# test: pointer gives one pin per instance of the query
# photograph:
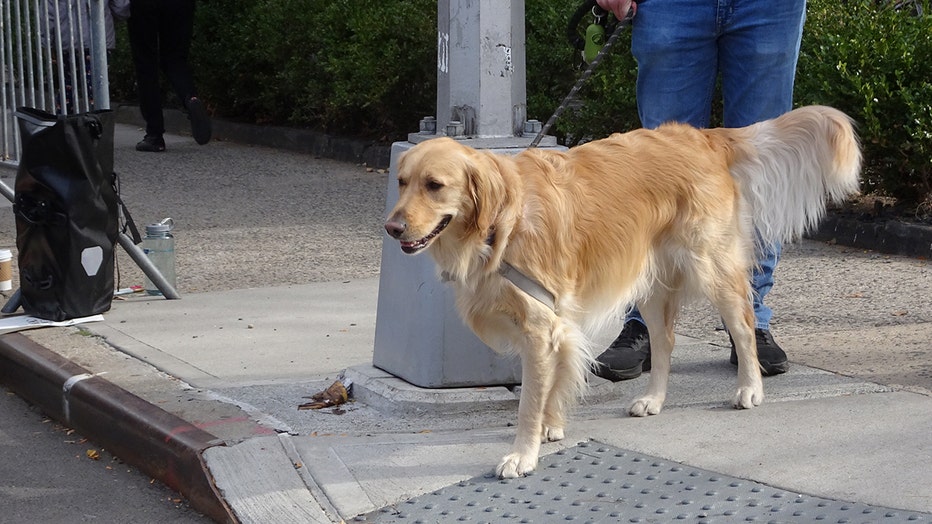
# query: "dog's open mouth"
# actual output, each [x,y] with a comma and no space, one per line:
[417,245]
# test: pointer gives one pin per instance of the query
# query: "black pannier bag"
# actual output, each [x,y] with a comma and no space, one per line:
[66,213]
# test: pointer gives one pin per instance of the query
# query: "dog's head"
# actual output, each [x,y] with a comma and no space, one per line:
[444,188]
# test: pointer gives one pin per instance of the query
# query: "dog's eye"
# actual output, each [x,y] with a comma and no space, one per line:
[402,182]
[433,185]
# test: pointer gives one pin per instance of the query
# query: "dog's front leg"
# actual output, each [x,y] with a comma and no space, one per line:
[537,368]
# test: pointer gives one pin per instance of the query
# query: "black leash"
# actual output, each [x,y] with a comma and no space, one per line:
[619,27]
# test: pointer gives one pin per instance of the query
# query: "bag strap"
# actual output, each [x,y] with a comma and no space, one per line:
[128,222]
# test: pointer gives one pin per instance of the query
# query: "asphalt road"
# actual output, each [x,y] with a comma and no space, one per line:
[50,474]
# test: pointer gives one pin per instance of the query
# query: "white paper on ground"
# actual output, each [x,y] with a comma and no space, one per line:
[21,322]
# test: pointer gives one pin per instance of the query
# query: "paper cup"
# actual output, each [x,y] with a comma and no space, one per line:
[6,270]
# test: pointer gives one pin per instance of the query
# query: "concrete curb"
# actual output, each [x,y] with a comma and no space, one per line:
[160,444]
[381,389]
[885,236]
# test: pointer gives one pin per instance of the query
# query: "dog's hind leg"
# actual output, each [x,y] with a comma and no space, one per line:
[538,363]
[734,306]
[659,312]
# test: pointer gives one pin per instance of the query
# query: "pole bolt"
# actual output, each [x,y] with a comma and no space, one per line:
[532,127]
[455,128]
[428,126]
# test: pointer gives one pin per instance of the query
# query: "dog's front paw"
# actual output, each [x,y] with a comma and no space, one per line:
[552,434]
[645,406]
[516,465]
[748,397]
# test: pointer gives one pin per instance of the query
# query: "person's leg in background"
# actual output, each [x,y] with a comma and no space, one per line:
[758,54]
[144,43]
[175,36]
[681,47]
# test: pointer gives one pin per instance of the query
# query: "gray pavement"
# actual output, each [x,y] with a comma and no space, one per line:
[278,262]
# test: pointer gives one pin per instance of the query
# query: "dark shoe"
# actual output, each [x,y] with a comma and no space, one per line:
[627,356]
[151,143]
[200,121]
[771,356]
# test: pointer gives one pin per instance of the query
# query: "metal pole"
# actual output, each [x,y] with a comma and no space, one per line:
[101,81]
[6,79]
[7,192]
[481,95]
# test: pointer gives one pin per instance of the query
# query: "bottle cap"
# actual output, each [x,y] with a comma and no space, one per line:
[162,227]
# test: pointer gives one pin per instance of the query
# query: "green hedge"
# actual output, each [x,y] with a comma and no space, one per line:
[875,63]
[368,68]
[363,67]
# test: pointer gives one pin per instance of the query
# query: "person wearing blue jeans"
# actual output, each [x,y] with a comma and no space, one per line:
[683,48]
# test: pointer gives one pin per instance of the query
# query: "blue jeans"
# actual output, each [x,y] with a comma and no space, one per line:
[683,47]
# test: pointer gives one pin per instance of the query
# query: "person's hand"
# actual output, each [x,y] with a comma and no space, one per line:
[619,7]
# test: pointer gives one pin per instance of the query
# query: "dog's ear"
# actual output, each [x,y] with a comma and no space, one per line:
[486,189]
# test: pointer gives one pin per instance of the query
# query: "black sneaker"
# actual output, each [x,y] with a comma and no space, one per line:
[200,121]
[151,143]
[627,356]
[771,356]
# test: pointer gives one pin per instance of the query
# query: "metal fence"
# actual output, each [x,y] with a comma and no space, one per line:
[53,57]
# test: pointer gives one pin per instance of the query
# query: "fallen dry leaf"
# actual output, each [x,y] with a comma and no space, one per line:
[92,454]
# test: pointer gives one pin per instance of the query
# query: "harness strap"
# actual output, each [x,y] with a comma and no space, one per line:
[523,282]
[128,224]
[528,285]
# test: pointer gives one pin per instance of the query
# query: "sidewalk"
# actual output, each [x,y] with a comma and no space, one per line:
[278,257]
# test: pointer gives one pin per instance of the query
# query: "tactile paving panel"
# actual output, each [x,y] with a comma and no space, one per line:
[593,482]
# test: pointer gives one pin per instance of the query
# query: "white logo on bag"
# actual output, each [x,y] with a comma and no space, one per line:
[92,258]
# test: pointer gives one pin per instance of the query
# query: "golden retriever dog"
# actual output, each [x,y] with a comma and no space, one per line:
[542,248]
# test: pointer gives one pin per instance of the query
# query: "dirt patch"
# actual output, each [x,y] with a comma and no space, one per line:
[872,207]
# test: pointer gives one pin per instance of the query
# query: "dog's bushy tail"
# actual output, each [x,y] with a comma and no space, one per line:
[789,167]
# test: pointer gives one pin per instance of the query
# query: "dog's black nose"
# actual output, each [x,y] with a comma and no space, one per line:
[395,228]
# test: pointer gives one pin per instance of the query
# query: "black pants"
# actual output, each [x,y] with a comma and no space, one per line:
[160,37]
